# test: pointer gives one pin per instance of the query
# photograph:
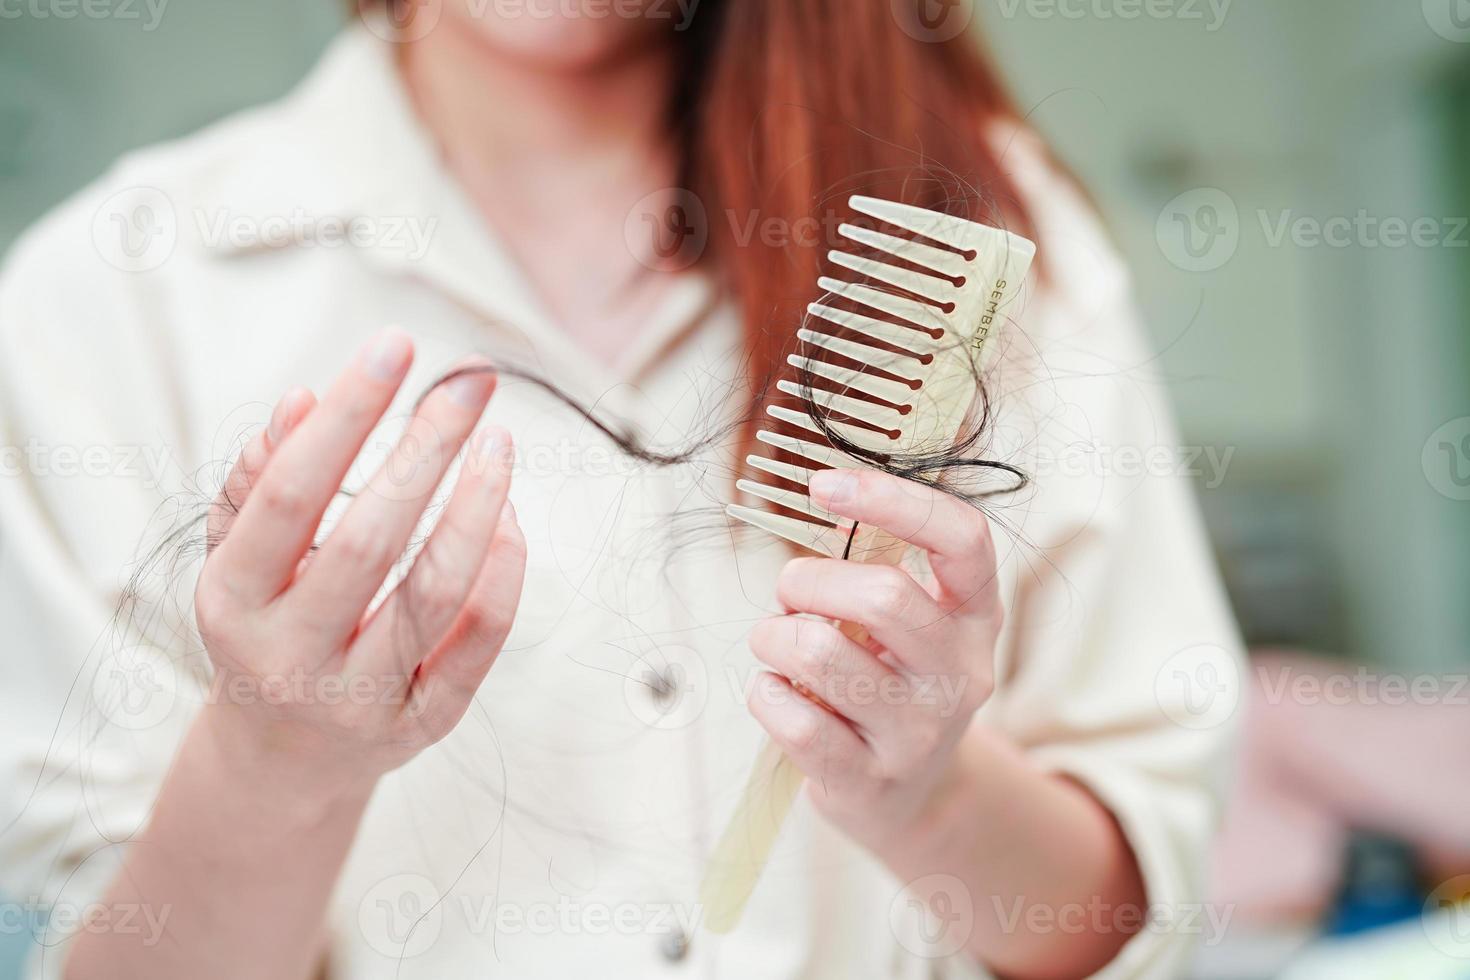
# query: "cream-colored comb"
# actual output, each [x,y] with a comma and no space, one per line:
[929,348]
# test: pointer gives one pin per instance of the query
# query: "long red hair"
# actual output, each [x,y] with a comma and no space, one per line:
[783,108]
[790,106]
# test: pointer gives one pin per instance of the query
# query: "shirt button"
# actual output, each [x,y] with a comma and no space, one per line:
[663,685]
[675,945]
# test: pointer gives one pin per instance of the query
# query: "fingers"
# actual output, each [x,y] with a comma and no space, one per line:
[288,413]
[955,534]
[279,521]
[348,570]
[885,600]
[458,666]
[822,745]
[843,675]
[434,596]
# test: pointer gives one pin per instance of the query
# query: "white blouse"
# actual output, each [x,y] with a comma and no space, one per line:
[145,328]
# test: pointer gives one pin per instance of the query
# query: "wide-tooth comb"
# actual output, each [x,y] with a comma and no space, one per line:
[929,346]
[924,323]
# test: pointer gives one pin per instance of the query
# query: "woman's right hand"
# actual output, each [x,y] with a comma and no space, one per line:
[310,681]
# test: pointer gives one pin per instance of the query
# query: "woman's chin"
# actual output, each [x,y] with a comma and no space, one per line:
[560,45]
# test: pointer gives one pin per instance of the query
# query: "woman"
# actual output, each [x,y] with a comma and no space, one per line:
[306,787]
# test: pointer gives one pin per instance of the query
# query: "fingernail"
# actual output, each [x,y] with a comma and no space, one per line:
[471,389]
[834,486]
[494,451]
[387,355]
[281,416]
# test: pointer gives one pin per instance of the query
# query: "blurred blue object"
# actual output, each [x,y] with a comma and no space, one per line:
[1380,886]
[15,945]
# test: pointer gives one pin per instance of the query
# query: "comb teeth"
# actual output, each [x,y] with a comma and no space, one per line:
[947,264]
[817,453]
[876,442]
[831,403]
[900,364]
[924,343]
[954,232]
[893,392]
[915,282]
[926,317]
[919,343]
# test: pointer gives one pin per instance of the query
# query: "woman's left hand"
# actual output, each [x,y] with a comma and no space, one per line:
[896,706]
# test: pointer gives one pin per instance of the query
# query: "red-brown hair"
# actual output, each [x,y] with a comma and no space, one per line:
[792,105]
[783,108]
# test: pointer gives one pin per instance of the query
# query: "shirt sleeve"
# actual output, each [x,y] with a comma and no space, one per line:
[99,682]
[1120,666]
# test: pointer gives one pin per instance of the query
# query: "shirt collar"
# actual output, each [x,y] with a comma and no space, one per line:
[357,155]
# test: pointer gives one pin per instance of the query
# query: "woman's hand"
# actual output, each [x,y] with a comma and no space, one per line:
[309,681]
[897,705]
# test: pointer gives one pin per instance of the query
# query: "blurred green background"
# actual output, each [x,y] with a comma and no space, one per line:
[1333,376]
